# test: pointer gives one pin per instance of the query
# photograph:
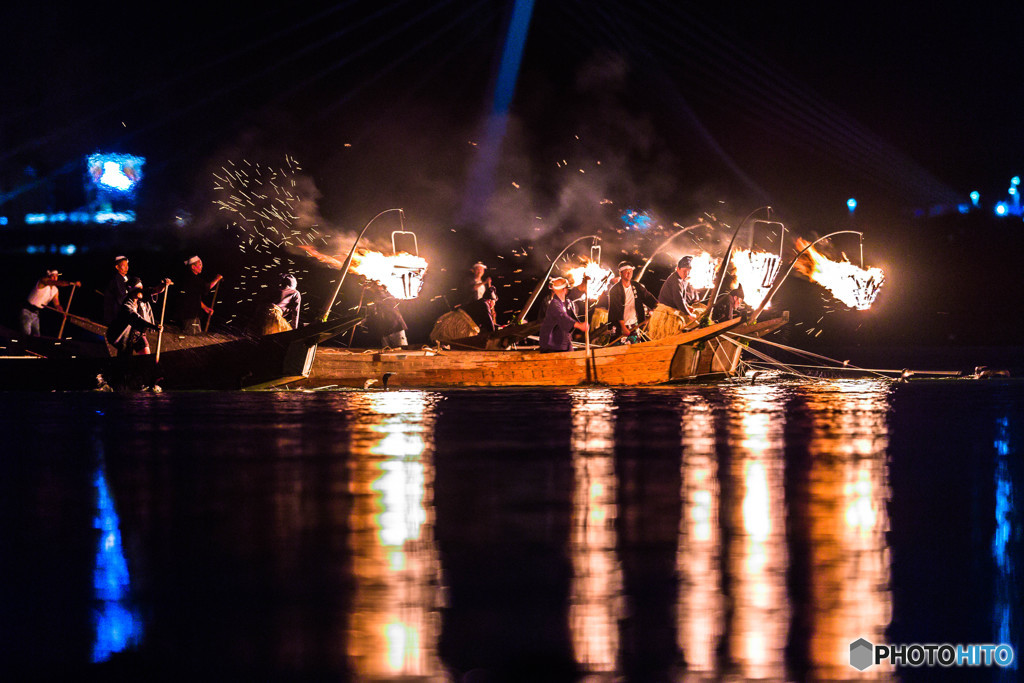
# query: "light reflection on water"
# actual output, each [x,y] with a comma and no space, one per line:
[595,600]
[716,533]
[394,628]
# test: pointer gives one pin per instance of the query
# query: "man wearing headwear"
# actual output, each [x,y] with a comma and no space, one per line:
[42,295]
[384,319]
[677,291]
[196,286]
[117,289]
[476,287]
[289,300]
[627,301]
[127,332]
[556,329]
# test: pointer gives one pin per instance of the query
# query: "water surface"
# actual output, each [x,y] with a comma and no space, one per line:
[741,532]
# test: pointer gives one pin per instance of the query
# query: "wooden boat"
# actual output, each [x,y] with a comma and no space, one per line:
[236,363]
[647,363]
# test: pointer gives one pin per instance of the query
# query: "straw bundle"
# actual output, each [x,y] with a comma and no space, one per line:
[598,317]
[453,325]
[271,321]
[666,321]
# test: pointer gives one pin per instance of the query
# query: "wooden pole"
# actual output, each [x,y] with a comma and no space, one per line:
[213,302]
[66,309]
[586,321]
[160,334]
[352,337]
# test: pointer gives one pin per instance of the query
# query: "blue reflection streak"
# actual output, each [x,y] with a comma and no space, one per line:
[1003,616]
[117,627]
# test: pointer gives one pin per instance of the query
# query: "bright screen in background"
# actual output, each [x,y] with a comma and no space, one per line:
[116,174]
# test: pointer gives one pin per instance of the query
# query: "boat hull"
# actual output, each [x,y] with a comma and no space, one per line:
[657,362]
[720,357]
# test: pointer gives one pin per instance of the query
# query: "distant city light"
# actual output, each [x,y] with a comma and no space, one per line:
[963,208]
[851,204]
[975,197]
[3,220]
[115,173]
[68,249]
[79,217]
[1012,190]
[636,220]
[1002,209]
[1015,180]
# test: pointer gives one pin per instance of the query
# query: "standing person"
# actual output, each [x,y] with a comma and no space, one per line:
[289,300]
[197,286]
[117,289]
[42,295]
[385,320]
[677,291]
[626,302]
[556,330]
[127,332]
[476,286]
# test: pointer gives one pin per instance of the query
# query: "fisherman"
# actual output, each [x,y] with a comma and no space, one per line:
[556,330]
[729,305]
[197,286]
[42,295]
[117,289]
[476,286]
[289,300]
[627,301]
[385,320]
[481,310]
[677,292]
[127,332]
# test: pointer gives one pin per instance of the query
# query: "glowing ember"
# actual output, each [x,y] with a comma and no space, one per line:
[600,277]
[755,271]
[401,273]
[855,287]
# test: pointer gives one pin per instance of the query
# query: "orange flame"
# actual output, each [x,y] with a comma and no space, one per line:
[855,287]
[401,273]
[755,271]
[600,277]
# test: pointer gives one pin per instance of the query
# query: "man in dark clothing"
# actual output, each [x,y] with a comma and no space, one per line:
[729,305]
[482,310]
[127,331]
[556,330]
[116,291]
[385,320]
[196,287]
[627,301]
[677,291]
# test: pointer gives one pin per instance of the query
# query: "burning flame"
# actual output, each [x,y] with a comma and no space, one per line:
[600,277]
[855,287]
[755,271]
[401,273]
[702,271]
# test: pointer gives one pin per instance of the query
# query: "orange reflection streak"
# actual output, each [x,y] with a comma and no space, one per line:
[757,558]
[596,590]
[395,622]
[850,584]
[701,606]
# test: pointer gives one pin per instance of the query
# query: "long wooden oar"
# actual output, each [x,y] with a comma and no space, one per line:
[212,304]
[66,309]
[160,334]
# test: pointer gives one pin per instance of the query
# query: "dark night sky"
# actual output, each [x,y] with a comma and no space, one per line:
[786,103]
